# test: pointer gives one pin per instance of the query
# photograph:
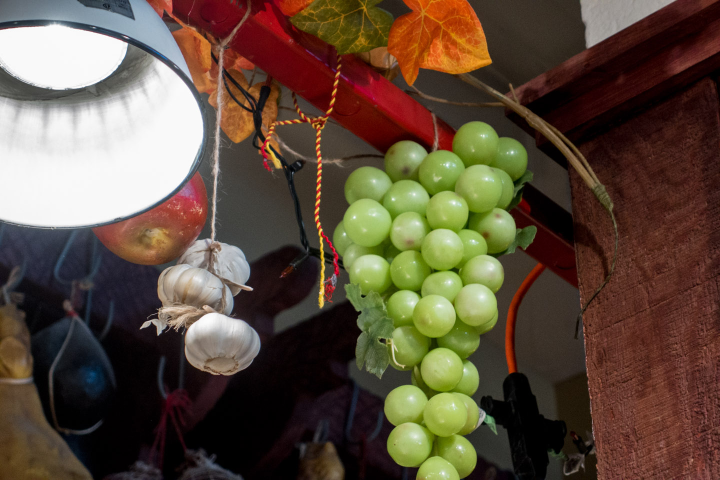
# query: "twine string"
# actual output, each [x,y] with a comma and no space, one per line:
[218,119]
[327,286]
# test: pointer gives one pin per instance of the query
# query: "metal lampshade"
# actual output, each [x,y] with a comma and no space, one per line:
[99,119]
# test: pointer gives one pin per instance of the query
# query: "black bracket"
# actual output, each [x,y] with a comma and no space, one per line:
[531,435]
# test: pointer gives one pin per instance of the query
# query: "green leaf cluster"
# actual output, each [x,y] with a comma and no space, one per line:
[376,327]
[523,238]
[526,177]
[352,26]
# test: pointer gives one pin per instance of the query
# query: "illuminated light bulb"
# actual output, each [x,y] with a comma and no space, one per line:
[59,58]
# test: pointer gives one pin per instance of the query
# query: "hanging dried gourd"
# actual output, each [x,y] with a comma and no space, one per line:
[29,447]
[320,461]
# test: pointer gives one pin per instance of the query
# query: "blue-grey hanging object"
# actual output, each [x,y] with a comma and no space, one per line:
[73,375]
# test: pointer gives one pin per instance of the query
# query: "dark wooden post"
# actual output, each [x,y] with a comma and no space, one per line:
[643,107]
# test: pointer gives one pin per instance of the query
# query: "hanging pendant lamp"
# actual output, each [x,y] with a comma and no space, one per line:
[99,118]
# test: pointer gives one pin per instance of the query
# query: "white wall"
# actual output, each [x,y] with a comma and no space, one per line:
[604,18]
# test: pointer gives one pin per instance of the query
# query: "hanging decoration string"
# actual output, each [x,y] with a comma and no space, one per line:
[218,120]
[318,123]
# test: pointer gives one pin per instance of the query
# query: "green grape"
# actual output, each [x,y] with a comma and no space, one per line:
[405,404]
[475,304]
[409,444]
[476,143]
[410,346]
[473,245]
[406,196]
[403,159]
[462,339]
[470,380]
[355,251]
[447,210]
[442,249]
[367,182]
[511,157]
[437,468]
[416,378]
[508,188]
[473,416]
[485,270]
[445,414]
[390,253]
[372,273]
[480,187]
[441,369]
[400,307]
[434,316]
[408,271]
[459,452]
[496,226]
[367,223]
[439,171]
[408,230]
[340,239]
[446,284]
[487,326]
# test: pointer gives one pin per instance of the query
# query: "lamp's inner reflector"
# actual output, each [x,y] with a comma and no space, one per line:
[59,58]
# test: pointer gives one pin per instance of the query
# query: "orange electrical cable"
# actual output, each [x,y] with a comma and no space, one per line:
[512,316]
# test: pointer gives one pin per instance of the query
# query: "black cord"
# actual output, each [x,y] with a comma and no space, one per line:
[256,108]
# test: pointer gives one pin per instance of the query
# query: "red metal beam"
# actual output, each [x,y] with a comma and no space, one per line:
[367,104]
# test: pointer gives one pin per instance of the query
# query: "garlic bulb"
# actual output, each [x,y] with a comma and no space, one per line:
[230,263]
[221,345]
[184,284]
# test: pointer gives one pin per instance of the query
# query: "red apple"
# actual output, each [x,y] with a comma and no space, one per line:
[162,234]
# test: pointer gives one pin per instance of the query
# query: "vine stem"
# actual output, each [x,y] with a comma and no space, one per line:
[393,349]
[575,158]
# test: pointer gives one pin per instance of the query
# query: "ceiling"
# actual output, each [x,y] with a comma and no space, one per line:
[525,38]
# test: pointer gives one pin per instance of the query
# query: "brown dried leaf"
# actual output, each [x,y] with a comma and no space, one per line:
[197,52]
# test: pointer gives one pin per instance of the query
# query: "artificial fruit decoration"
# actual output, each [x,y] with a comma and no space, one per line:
[162,234]
[221,345]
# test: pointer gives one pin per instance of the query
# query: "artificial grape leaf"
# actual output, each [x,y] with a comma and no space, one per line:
[161,6]
[377,329]
[352,26]
[443,35]
[237,123]
[490,422]
[196,50]
[519,187]
[523,238]
[371,349]
[293,7]
[355,297]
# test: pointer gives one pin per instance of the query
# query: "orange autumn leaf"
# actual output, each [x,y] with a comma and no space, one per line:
[237,123]
[443,35]
[293,7]
[196,50]
[161,6]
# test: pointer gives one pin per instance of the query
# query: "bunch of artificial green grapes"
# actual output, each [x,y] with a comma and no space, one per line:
[420,234]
